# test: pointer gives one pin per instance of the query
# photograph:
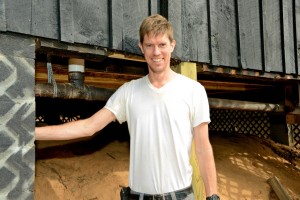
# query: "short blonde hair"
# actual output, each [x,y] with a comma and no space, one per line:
[156,24]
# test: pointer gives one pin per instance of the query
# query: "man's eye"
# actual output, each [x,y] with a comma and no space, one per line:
[148,45]
[162,45]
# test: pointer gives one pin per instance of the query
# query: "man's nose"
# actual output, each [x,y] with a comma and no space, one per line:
[156,50]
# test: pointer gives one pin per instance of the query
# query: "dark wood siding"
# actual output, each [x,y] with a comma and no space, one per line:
[45,20]
[223,34]
[272,36]
[297,33]
[242,34]
[250,34]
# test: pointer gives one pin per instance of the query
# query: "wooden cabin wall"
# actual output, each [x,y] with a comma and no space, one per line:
[242,34]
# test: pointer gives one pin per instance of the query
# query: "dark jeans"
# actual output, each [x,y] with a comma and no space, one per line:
[184,194]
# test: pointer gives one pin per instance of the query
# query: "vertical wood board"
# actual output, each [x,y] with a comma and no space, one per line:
[175,18]
[288,35]
[223,33]
[2,16]
[18,16]
[134,12]
[195,44]
[297,15]
[116,25]
[250,34]
[272,36]
[66,20]
[45,18]
[154,6]
[91,25]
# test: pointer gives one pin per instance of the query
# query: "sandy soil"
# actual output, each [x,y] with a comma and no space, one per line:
[95,169]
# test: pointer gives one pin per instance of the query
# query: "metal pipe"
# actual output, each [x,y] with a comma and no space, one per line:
[244,105]
[76,71]
[71,91]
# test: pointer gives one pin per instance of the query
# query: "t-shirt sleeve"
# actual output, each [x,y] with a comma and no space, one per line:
[201,106]
[117,104]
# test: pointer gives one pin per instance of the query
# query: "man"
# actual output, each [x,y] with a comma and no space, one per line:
[164,111]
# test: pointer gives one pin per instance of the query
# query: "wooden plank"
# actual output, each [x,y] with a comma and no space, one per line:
[154,6]
[134,12]
[223,33]
[272,35]
[45,18]
[91,25]
[297,15]
[116,25]
[174,16]
[14,45]
[18,16]
[195,44]
[288,34]
[66,21]
[70,50]
[250,37]
[2,16]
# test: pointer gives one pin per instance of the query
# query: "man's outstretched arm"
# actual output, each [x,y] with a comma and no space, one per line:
[76,129]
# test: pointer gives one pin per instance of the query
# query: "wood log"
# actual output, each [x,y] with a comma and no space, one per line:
[278,188]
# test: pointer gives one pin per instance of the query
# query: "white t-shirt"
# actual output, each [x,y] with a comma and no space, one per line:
[160,123]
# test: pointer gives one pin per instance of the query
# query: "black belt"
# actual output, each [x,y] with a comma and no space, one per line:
[180,194]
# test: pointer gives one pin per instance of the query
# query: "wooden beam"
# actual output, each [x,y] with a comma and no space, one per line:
[188,69]
[116,79]
[126,56]
[88,52]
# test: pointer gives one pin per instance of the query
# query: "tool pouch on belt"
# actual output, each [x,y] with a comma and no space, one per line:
[124,193]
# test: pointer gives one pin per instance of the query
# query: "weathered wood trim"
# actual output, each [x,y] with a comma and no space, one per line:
[66,20]
[272,36]
[116,25]
[250,37]
[52,47]
[249,73]
[174,16]
[223,33]
[195,43]
[45,19]
[2,16]
[288,37]
[297,33]
[134,12]
[154,6]
[18,16]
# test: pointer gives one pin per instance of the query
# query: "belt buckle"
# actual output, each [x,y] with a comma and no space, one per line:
[158,196]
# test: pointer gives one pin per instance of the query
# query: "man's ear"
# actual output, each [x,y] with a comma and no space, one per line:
[141,47]
[173,44]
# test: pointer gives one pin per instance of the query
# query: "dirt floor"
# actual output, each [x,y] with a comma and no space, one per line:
[95,169]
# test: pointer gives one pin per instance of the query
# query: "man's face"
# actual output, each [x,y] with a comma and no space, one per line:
[157,51]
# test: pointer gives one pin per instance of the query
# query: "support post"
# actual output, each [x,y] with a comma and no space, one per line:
[280,128]
[190,70]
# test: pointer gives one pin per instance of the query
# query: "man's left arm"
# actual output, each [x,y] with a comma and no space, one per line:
[204,153]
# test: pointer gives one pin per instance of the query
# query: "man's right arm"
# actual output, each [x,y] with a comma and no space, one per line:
[76,129]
